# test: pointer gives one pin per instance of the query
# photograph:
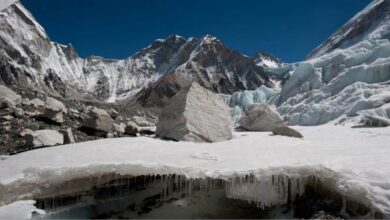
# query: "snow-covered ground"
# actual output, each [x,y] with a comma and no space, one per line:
[356,159]
[19,210]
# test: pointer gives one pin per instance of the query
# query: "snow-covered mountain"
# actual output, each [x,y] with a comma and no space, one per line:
[371,23]
[268,60]
[214,66]
[347,76]
[29,59]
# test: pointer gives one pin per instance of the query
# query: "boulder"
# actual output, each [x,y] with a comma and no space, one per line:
[119,128]
[287,131]
[44,138]
[131,128]
[99,120]
[36,102]
[113,113]
[147,130]
[260,117]
[25,132]
[54,110]
[68,136]
[11,95]
[7,117]
[195,114]
[73,113]
[18,112]
[141,121]
[6,103]
[109,135]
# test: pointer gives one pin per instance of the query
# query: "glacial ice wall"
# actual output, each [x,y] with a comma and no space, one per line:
[339,84]
[239,102]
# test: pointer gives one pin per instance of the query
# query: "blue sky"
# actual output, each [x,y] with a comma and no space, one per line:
[289,29]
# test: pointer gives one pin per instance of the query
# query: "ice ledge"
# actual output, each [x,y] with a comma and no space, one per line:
[355,161]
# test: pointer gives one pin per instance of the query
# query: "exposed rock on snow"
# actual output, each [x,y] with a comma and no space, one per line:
[119,128]
[68,136]
[195,114]
[35,102]
[260,117]
[99,120]
[241,101]
[6,103]
[10,95]
[131,128]
[141,121]
[18,112]
[54,110]
[44,138]
[286,131]
[113,113]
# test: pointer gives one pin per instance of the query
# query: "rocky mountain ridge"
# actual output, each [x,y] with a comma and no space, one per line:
[29,59]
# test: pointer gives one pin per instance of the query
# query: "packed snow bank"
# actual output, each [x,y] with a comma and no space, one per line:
[19,210]
[353,161]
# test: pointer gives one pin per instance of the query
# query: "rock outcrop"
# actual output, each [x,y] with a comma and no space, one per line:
[260,117]
[54,110]
[6,103]
[68,136]
[99,120]
[195,114]
[287,131]
[5,92]
[44,138]
[131,128]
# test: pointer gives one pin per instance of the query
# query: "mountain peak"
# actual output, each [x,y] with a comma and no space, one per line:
[266,59]
[209,39]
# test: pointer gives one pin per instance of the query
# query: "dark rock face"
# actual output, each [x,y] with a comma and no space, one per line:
[287,131]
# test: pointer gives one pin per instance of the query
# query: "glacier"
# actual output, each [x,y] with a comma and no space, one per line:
[240,102]
[337,85]
[347,75]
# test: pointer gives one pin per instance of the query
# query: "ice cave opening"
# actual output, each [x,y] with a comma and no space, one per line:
[175,196]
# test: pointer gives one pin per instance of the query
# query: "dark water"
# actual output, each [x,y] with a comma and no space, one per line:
[174,197]
[144,198]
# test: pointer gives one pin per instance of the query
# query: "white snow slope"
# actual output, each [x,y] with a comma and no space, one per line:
[355,162]
[5,3]
[20,210]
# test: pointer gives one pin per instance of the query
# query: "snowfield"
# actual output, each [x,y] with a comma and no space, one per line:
[354,160]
